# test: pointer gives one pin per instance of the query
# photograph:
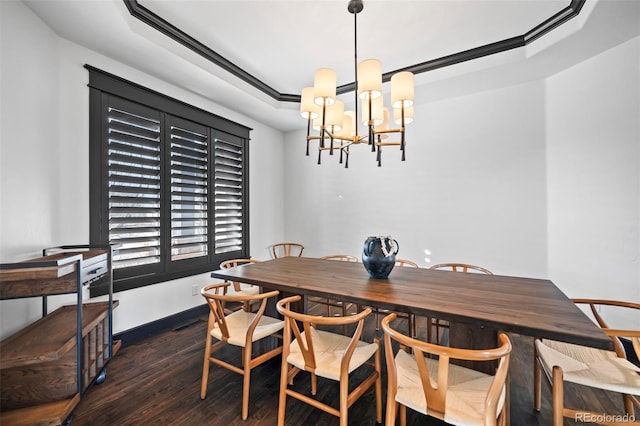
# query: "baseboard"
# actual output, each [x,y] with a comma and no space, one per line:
[171,322]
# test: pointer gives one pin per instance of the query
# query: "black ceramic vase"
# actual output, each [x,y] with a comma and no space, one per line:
[379,256]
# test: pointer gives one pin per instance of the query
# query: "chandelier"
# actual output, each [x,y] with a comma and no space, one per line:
[338,129]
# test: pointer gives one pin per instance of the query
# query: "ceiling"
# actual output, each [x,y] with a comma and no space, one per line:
[280,44]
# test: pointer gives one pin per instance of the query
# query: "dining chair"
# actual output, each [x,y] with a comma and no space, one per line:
[461,267]
[438,387]
[238,288]
[240,328]
[596,368]
[406,262]
[436,323]
[342,305]
[342,257]
[279,250]
[329,355]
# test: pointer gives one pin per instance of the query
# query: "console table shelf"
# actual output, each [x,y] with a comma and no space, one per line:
[47,366]
[48,338]
[54,413]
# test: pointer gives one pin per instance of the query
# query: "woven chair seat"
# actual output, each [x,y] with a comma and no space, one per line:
[466,393]
[328,350]
[590,366]
[246,290]
[238,324]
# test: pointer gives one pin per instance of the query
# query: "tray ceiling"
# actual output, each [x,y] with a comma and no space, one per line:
[280,44]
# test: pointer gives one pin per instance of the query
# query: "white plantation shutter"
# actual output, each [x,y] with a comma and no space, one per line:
[189,194]
[229,193]
[134,187]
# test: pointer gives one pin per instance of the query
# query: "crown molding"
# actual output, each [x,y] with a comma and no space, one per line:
[148,17]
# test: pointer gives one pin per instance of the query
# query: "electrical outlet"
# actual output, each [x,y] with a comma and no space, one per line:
[195,289]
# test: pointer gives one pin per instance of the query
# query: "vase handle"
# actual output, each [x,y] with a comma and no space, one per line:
[367,248]
[397,247]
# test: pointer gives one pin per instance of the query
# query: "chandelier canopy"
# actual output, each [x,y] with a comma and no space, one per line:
[336,128]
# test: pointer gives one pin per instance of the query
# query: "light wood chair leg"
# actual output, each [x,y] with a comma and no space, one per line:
[314,383]
[506,408]
[205,367]
[282,398]
[246,365]
[344,405]
[245,394]
[403,415]
[392,409]
[557,391]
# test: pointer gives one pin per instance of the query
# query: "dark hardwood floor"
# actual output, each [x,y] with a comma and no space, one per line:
[156,381]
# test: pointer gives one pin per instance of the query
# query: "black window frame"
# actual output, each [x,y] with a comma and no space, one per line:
[105,90]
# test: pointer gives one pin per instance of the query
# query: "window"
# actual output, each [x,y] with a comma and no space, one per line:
[168,183]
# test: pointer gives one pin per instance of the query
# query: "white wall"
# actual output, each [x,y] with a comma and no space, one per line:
[593,159]
[472,188]
[29,179]
[44,164]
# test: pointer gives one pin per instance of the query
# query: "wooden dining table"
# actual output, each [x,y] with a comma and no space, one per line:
[478,306]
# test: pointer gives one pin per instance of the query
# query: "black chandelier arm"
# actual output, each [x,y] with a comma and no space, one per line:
[308,132]
[331,146]
[402,141]
[331,135]
[322,127]
[371,137]
[371,141]
[346,146]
